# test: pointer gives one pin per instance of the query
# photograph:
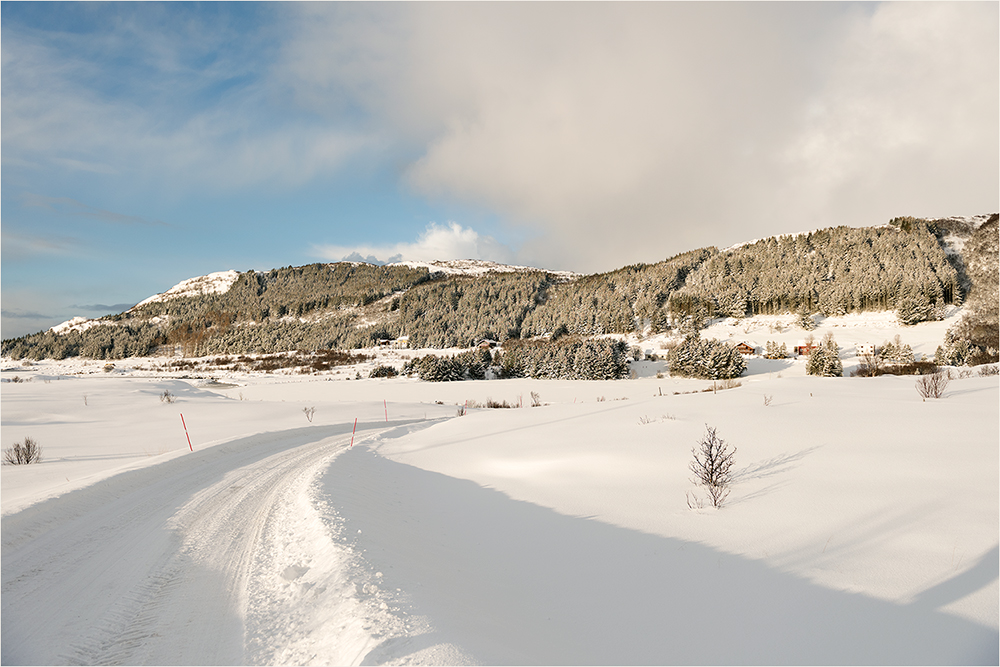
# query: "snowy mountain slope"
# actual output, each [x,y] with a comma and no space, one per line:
[479,267]
[213,283]
[956,230]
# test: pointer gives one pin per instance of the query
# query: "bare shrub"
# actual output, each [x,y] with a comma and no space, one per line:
[490,403]
[985,371]
[871,366]
[644,420]
[23,453]
[713,461]
[536,400]
[309,412]
[768,398]
[167,397]
[932,386]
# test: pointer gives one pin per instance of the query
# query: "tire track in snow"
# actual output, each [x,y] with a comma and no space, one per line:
[155,566]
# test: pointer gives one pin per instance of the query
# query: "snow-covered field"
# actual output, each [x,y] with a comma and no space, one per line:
[862,526]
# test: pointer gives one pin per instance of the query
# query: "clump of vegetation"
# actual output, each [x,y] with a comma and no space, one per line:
[774,351]
[569,358]
[382,371]
[706,359]
[23,453]
[167,397]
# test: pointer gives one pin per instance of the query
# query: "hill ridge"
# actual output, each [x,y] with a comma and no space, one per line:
[912,265]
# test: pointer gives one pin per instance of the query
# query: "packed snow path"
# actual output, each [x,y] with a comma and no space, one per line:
[154,566]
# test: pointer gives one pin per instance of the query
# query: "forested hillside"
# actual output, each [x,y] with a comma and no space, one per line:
[913,266]
[835,271]
[463,310]
[629,299]
[976,338]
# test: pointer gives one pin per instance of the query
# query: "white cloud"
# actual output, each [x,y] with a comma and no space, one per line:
[437,242]
[629,131]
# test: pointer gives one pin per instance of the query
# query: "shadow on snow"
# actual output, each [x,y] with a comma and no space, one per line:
[511,582]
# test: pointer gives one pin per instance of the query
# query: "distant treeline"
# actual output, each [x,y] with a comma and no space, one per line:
[568,358]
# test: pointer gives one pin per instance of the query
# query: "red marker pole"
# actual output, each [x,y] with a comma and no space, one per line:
[186,432]
[386,406]
[354,431]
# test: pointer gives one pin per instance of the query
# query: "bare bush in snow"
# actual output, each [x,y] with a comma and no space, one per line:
[932,386]
[23,453]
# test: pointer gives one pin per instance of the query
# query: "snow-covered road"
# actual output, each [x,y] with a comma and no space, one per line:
[166,564]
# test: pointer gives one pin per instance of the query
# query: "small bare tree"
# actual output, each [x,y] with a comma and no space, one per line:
[309,412]
[536,400]
[933,385]
[23,453]
[871,365]
[712,465]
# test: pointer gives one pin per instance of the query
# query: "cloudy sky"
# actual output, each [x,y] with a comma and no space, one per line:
[147,143]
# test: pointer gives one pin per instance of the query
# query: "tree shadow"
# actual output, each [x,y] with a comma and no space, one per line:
[982,574]
[772,466]
[511,582]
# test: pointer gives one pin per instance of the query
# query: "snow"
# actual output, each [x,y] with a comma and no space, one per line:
[214,283]
[862,526]
[76,324]
[479,267]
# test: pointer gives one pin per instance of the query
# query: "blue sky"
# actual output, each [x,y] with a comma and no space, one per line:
[146,143]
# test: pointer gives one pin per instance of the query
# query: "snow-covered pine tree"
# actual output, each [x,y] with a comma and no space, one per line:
[706,359]
[824,361]
[954,351]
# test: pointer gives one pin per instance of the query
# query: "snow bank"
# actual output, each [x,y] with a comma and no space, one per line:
[862,526]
